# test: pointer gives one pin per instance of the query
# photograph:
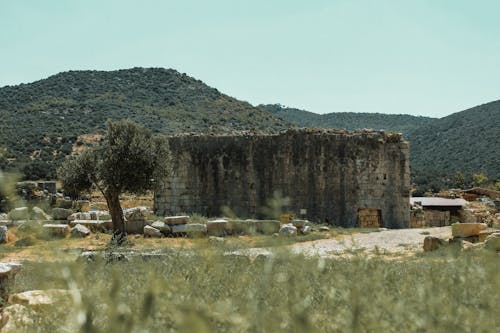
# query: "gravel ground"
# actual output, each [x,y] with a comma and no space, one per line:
[400,240]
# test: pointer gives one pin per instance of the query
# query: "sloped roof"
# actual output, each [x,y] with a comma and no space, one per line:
[436,202]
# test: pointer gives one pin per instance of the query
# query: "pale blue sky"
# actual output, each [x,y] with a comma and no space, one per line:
[422,57]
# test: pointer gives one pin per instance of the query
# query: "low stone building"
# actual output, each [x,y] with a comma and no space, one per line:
[437,212]
[340,177]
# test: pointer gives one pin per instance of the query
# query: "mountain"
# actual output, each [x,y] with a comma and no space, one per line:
[348,120]
[40,122]
[467,142]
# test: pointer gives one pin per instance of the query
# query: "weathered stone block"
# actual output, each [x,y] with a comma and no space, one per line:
[61,213]
[150,231]
[162,226]
[60,230]
[218,228]
[175,220]
[467,229]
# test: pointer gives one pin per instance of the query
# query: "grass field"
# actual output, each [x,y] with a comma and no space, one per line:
[204,288]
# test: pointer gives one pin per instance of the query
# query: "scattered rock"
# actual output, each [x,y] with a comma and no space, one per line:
[306,230]
[17,318]
[3,233]
[150,231]
[218,227]
[324,228]
[162,226]
[288,230]
[20,213]
[176,220]
[60,230]
[135,226]
[191,229]
[99,215]
[61,213]
[3,217]
[38,214]
[79,216]
[492,242]
[79,231]
[7,272]
[82,205]
[140,213]
[93,225]
[41,299]
[467,229]
[432,243]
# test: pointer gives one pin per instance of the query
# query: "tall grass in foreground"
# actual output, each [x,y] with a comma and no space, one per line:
[207,291]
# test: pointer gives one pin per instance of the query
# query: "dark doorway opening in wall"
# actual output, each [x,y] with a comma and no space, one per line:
[369,218]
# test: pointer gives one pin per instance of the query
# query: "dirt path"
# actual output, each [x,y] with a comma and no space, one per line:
[392,241]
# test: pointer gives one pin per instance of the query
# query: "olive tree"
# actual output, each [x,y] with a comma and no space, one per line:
[125,161]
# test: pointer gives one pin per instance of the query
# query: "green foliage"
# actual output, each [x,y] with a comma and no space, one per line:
[124,162]
[479,179]
[467,142]
[206,291]
[44,118]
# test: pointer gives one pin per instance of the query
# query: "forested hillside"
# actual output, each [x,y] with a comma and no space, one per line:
[466,142]
[40,121]
[348,120]
[441,150]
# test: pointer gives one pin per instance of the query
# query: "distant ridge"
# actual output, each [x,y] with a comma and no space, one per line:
[348,120]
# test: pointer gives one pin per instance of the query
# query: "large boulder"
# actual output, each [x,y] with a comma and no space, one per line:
[20,213]
[219,227]
[432,243]
[61,213]
[140,213]
[3,217]
[42,299]
[288,230]
[8,271]
[176,220]
[162,226]
[191,229]
[82,205]
[492,242]
[150,231]
[39,215]
[17,318]
[467,229]
[80,231]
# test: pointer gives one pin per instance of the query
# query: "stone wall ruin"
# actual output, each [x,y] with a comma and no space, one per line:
[328,175]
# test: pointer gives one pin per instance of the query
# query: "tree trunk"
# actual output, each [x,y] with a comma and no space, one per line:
[115,210]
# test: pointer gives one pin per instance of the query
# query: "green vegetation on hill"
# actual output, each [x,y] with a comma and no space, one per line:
[466,142]
[348,120]
[40,121]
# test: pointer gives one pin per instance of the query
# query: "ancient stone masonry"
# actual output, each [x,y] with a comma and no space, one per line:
[329,175]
